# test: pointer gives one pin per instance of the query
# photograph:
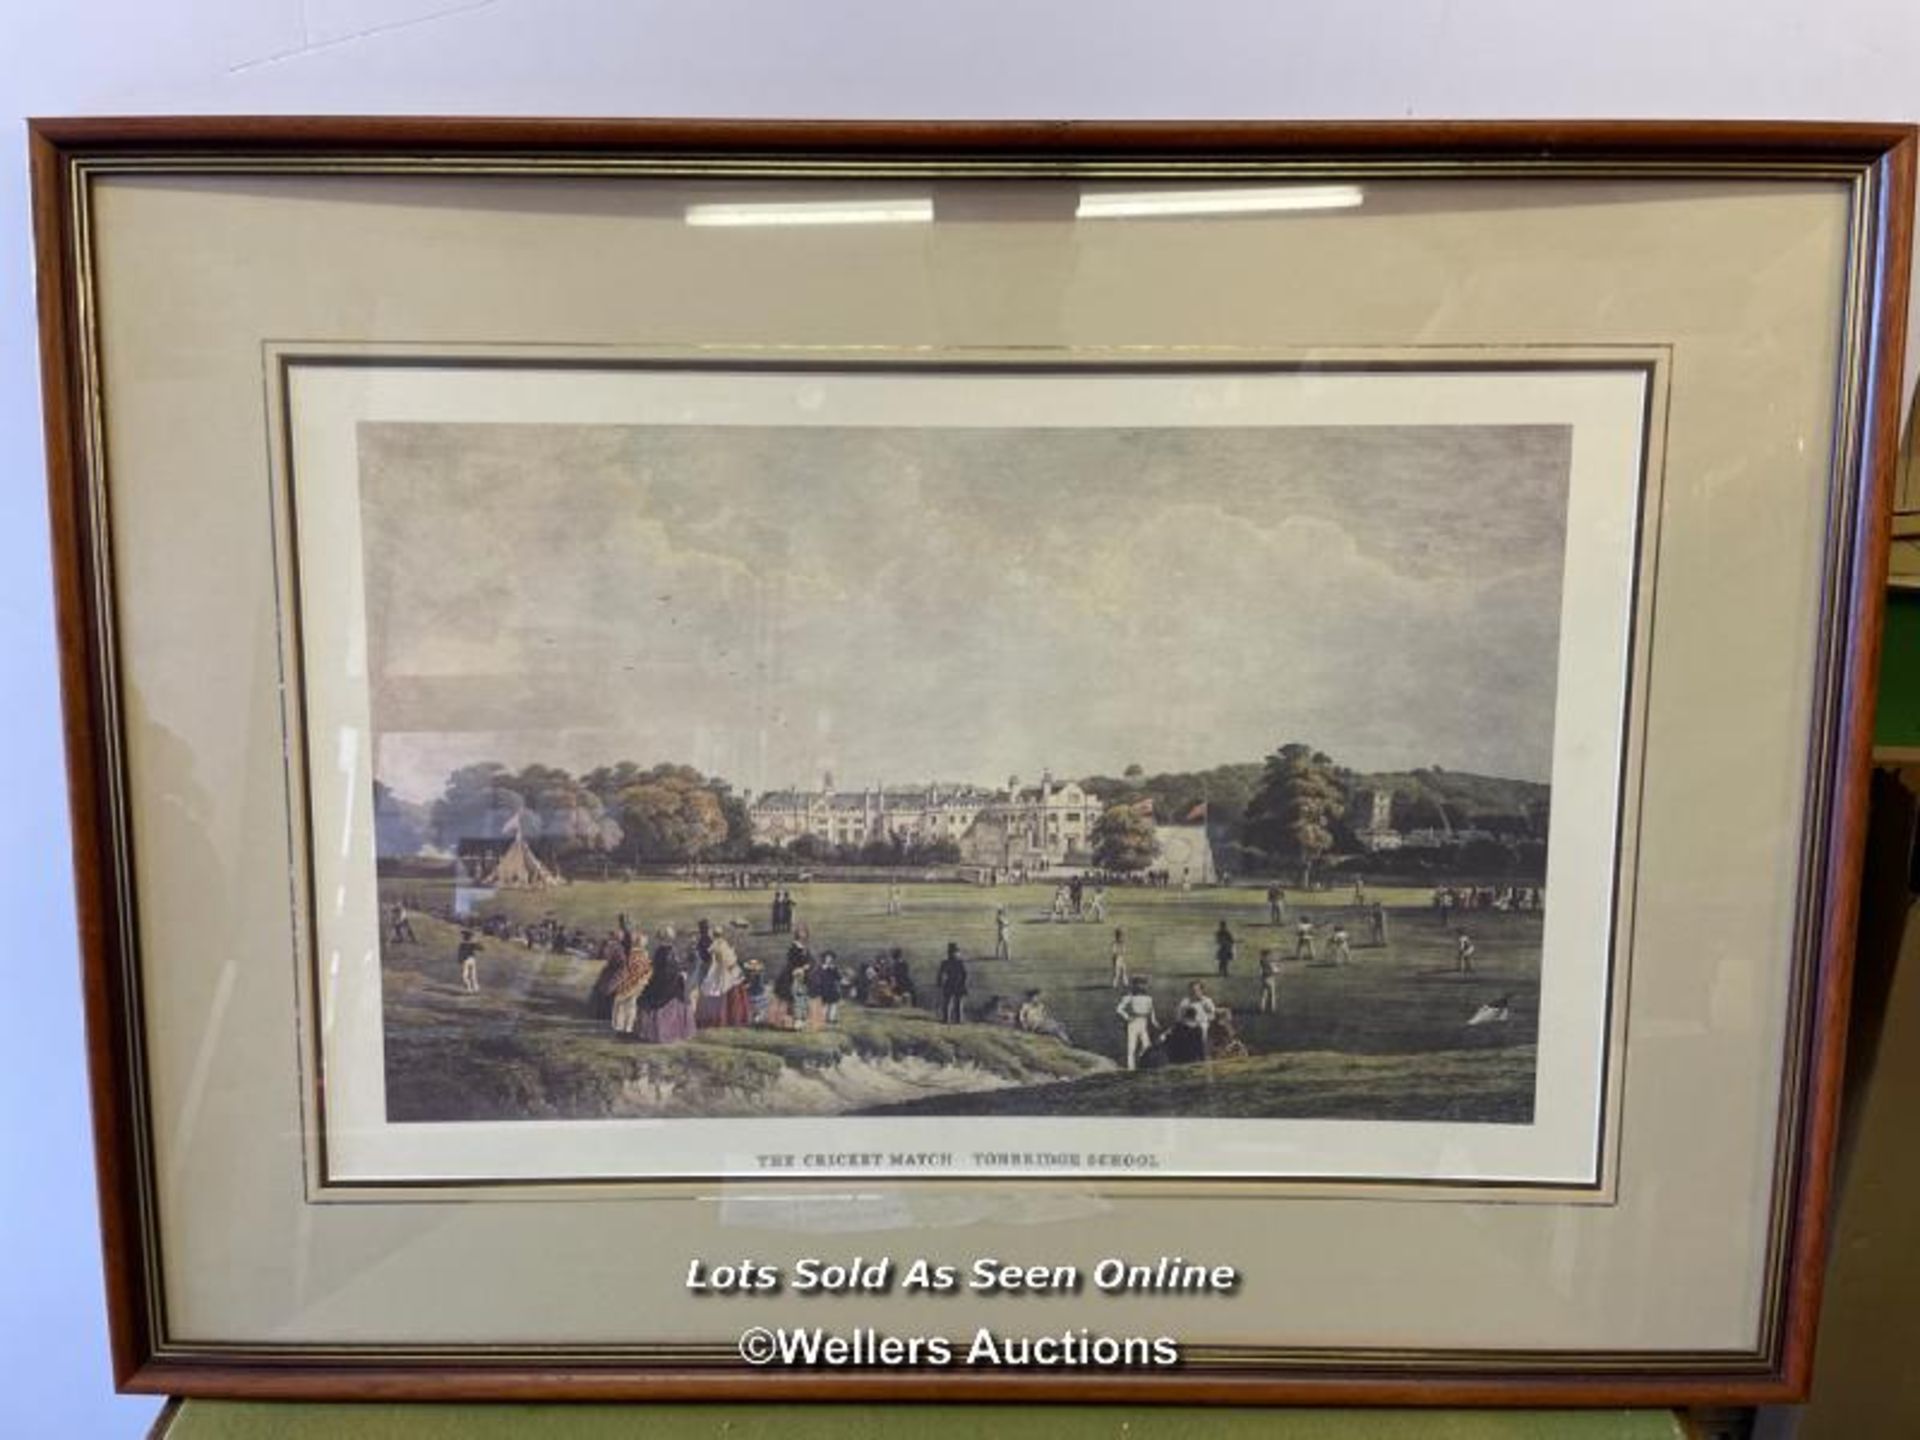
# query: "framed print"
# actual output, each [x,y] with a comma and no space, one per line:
[1180,762]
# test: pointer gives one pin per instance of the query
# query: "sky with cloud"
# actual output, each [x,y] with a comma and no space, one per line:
[897,604]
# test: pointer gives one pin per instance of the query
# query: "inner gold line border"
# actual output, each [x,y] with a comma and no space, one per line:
[1652,363]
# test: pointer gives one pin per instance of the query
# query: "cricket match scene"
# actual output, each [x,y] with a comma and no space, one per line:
[811,772]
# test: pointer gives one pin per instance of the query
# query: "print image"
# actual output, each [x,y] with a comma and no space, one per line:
[728,771]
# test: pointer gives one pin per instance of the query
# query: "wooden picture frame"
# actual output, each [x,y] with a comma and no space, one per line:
[146,244]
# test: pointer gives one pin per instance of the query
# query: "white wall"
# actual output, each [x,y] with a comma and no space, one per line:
[1830,59]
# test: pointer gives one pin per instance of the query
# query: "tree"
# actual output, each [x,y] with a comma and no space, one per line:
[738,844]
[883,850]
[1292,814]
[478,803]
[399,826]
[569,818]
[670,815]
[607,781]
[1486,857]
[938,851]
[675,825]
[1123,839]
[1224,790]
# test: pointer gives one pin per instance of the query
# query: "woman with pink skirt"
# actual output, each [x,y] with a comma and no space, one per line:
[722,989]
[665,1012]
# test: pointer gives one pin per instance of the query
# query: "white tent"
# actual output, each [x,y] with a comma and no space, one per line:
[520,869]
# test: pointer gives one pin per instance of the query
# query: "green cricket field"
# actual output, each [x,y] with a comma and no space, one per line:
[1385,1036]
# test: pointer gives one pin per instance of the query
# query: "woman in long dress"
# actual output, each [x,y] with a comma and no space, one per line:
[613,959]
[723,996]
[1187,1038]
[665,1013]
[623,991]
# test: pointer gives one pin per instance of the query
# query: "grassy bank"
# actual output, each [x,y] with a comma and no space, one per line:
[1481,1086]
[526,1048]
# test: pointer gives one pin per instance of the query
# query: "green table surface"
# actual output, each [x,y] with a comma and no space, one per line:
[1897,723]
[246,1420]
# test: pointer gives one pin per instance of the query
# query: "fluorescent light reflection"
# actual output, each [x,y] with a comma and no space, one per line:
[907,210]
[1224,200]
